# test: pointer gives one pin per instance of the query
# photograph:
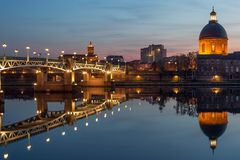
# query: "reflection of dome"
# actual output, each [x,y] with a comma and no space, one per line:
[213,131]
[213,125]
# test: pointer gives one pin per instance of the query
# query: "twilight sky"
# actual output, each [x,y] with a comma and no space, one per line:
[114,26]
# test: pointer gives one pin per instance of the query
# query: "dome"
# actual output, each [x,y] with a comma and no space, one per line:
[213,30]
[213,131]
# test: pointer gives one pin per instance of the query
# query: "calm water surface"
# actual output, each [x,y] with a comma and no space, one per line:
[157,124]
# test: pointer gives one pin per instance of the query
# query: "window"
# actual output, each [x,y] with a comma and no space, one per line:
[223,47]
[237,69]
[213,47]
[203,47]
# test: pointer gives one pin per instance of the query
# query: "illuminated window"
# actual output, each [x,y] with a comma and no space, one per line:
[203,47]
[237,69]
[223,47]
[213,47]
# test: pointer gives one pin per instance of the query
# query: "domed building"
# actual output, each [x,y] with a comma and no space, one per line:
[213,125]
[213,38]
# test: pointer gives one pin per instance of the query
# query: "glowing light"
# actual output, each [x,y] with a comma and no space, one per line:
[5,155]
[48,140]
[63,133]
[216,90]
[35,84]
[138,91]
[105,115]
[29,147]
[68,70]
[47,50]
[4,45]
[28,48]
[35,99]
[119,109]
[126,106]
[39,112]
[96,119]
[86,124]
[109,72]
[176,90]
[75,128]
[112,113]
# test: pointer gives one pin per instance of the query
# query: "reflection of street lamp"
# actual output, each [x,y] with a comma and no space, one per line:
[4,49]
[16,51]
[29,146]
[28,48]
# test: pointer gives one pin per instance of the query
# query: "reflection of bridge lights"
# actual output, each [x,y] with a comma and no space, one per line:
[96,120]
[63,133]
[5,155]
[48,140]
[29,147]
[126,106]
[86,124]
[75,128]
[139,103]
[105,115]
[119,109]
[130,108]
[112,113]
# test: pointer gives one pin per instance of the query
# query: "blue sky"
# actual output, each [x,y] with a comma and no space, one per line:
[115,27]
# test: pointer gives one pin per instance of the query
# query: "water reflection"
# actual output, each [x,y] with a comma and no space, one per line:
[211,106]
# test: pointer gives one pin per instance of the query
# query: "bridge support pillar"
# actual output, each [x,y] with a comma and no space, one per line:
[69,79]
[108,78]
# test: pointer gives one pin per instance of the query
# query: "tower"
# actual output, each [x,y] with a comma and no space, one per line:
[90,49]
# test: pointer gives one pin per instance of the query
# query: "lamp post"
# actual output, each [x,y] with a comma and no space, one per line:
[16,51]
[4,49]
[28,48]
[48,54]
[34,53]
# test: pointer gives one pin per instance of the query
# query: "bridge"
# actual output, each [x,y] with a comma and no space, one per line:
[91,74]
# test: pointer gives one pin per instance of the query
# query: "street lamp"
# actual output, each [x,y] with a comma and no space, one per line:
[28,48]
[16,51]
[48,54]
[4,49]
[34,53]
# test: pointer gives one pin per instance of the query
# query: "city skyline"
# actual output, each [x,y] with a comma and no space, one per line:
[114,27]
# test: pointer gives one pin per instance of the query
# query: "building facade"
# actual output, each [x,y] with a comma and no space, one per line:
[214,63]
[153,53]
